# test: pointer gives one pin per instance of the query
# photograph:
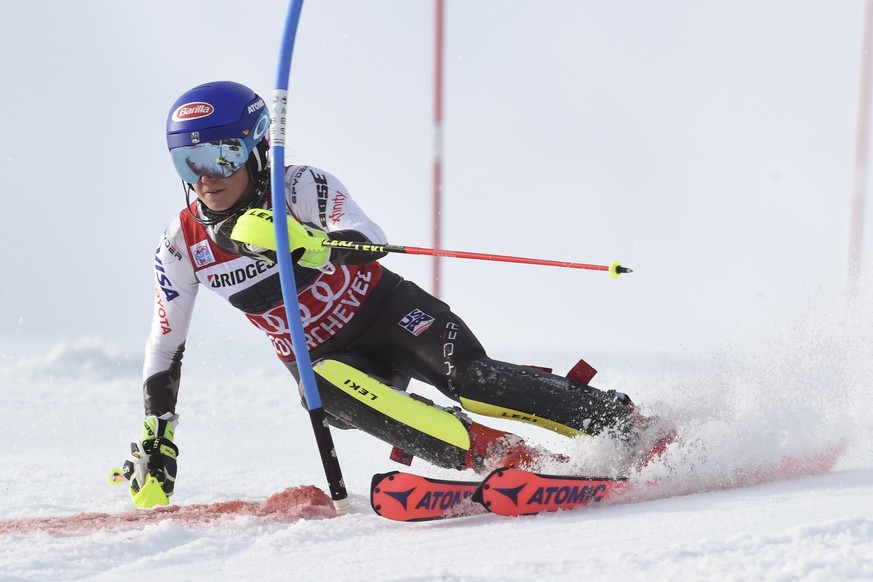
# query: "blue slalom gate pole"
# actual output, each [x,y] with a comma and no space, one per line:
[321,429]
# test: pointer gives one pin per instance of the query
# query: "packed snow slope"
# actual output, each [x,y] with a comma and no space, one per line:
[781,387]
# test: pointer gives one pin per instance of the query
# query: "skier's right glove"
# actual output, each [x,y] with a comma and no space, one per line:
[150,468]
[314,255]
[254,230]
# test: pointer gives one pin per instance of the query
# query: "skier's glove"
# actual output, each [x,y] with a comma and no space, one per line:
[254,230]
[317,258]
[151,467]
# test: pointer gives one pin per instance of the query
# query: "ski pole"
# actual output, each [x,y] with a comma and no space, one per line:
[615,269]
[317,415]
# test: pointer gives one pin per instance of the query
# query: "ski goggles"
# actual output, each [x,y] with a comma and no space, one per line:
[216,159]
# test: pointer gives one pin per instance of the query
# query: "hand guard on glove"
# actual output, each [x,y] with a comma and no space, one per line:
[254,232]
[150,469]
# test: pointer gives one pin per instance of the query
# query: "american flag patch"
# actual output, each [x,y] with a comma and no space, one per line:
[416,321]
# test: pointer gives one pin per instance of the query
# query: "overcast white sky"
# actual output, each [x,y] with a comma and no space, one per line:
[708,145]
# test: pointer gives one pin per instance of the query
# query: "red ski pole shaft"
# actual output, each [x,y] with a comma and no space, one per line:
[615,269]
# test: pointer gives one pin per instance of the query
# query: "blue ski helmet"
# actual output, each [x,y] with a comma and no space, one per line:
[216,128]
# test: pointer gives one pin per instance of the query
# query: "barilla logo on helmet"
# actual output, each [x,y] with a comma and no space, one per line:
[193,110]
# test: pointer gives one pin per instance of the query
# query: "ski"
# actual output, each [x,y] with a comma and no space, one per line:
[408,497]
[513,492]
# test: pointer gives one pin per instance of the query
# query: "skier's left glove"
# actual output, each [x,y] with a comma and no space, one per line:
[150,469]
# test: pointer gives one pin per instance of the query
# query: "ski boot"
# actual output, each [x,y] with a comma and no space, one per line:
[648,438]
[492,449]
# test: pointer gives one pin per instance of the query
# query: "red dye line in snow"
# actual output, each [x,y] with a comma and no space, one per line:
[307,502]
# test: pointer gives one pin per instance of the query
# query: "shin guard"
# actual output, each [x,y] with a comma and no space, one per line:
[422,429]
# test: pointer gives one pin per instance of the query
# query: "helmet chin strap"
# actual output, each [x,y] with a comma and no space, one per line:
[211,217]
